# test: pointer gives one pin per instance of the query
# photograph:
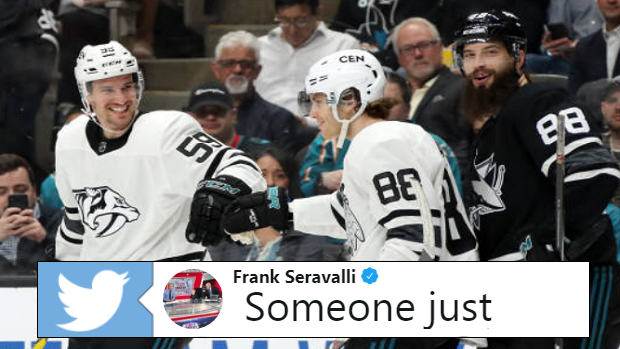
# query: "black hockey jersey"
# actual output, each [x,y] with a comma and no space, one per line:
[513,177]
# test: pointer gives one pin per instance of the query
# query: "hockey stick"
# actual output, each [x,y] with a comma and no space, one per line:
[559,187]
[559,197]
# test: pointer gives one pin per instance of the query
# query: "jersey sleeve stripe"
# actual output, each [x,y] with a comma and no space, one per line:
[567,150]
[338,217]
[579,176]
[406,213]
[216,162]
[240,153]
[75,226]
[414,233]
[243,162]
[69,239]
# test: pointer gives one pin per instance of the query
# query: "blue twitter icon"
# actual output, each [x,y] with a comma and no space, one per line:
[93,299]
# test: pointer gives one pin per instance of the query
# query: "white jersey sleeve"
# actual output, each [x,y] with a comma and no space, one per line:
[327,207]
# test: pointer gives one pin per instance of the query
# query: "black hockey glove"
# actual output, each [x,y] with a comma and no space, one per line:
[210,200]
[259,210]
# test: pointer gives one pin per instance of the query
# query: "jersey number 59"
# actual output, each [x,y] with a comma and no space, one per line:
[198,143]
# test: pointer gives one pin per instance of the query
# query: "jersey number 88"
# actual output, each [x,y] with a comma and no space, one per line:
[575,123]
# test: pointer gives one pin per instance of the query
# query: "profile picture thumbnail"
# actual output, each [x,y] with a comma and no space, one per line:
[192,298]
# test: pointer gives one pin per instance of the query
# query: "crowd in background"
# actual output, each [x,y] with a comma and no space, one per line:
[259,79]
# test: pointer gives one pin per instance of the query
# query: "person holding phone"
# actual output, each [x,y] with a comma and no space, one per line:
[26,226]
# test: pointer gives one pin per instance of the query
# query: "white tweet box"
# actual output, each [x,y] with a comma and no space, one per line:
[526,300]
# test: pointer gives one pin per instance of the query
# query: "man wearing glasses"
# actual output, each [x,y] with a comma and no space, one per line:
[436,90]
[236,66]
[288,51]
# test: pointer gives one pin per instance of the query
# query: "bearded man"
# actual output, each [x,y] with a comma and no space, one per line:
[236,66]
[513,172]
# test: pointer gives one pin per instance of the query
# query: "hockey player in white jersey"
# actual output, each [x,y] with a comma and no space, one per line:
[129,180]
[398,199]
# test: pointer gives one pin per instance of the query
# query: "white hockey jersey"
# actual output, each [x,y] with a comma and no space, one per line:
[397,201]
[129,198]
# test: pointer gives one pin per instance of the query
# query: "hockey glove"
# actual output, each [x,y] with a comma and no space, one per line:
[210,200]
[259,210]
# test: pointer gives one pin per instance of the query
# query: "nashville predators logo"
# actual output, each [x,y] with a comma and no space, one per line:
[104,210]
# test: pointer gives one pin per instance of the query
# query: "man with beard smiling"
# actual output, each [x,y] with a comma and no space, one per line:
[513,171]
[236,66]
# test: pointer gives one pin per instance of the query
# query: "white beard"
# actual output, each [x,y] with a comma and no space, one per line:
[237,84]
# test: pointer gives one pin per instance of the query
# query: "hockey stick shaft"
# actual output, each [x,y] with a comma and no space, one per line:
[559,196]
[559,186]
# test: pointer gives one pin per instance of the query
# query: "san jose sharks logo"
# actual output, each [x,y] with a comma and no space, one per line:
[489,196]
[379,21]
[104,210]
[354,230]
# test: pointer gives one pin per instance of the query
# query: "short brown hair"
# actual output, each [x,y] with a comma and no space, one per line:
[11,162]
[380,109]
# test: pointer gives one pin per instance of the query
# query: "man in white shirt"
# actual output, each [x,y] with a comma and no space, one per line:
[288,51]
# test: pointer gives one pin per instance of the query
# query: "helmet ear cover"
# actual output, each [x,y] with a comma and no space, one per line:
[350,96]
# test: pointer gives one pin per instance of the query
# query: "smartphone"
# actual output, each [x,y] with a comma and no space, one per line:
[558,31]
[18,200]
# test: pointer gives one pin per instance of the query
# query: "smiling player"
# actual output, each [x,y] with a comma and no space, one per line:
[398,199]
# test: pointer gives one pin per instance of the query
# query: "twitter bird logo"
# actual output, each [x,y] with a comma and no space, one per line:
[91,307]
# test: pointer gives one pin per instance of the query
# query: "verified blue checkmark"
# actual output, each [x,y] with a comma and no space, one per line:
[370,275]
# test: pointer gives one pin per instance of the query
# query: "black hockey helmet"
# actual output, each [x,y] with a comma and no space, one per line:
[488,26]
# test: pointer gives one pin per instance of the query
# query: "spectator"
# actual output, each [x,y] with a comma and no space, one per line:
[596,55]
[211,105]
[435,104]
[580,18]
[532,12]
[169,293]
[236,65]
[25,234]
[321,170]
[289,50]
[166,159]
[371,22]
[28,49]
[399,91]
[280,169]
[610,107]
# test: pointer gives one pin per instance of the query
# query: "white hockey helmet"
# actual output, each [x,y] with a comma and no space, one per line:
[341,74]
[103,62]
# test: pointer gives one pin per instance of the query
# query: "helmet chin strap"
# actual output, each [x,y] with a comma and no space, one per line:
[344,130]
[91,115]
[343,133]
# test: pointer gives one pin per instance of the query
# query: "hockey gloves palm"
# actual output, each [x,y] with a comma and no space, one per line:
[210,200]
[259,210]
